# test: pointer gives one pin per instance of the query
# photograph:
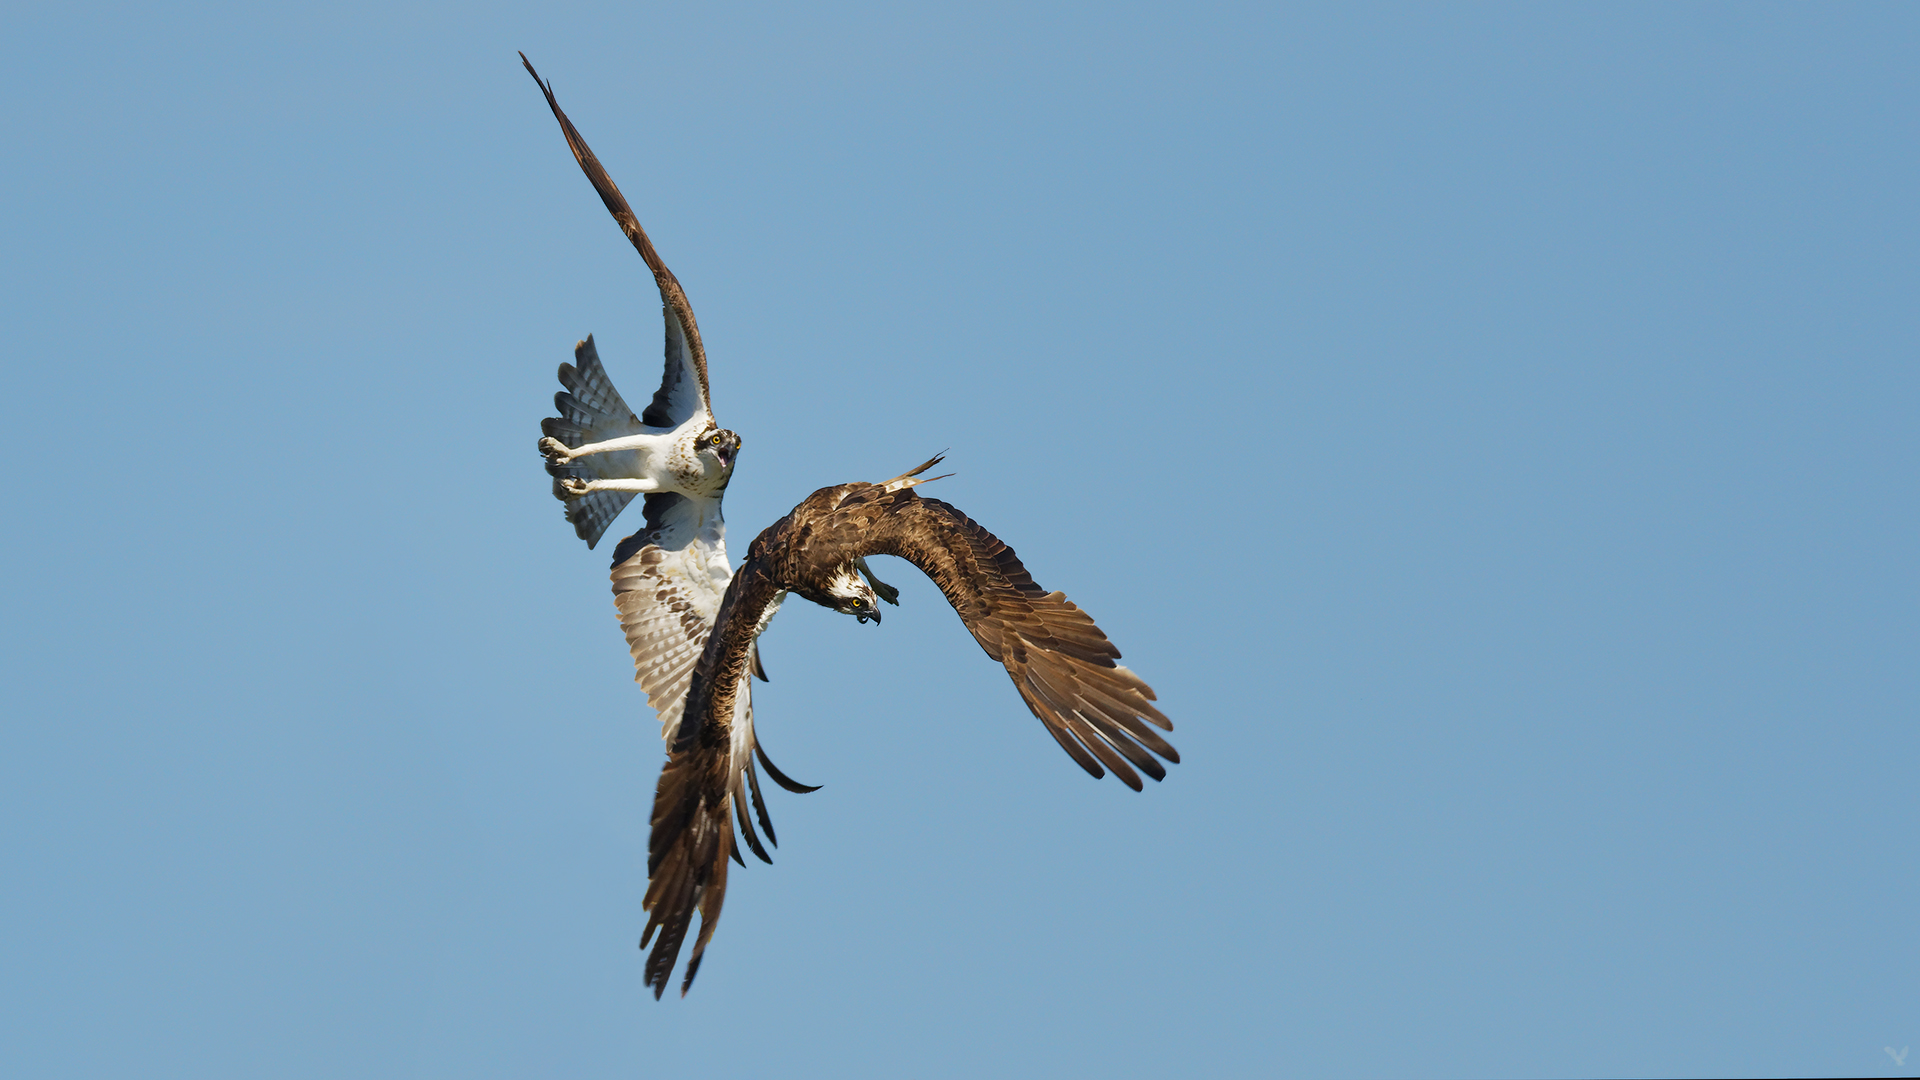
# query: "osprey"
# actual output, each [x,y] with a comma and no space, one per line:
[1060,662]
[668,577]
[600,454]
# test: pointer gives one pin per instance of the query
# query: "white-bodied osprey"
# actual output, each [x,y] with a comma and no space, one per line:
[669,576]
[1060,662]
[600,454]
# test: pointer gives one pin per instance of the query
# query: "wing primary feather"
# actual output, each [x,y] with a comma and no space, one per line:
[1126,718]
[669,827]
[746,826]
[1060,701]
[710,901]
[1066,696]
[1059,659]
[760,804]
[671,293]
[1138,685]
[779,777]
[1109,757]
[1061,734]
[603,184]
[1118,738]
[692,877]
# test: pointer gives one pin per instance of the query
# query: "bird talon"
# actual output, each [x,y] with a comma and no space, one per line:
[555,451]
[880,588]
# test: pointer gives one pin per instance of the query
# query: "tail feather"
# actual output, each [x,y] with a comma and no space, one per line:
[590,399]
[591,411]
[592,514]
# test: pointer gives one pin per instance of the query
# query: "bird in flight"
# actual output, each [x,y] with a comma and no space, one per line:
[600,454]
[1061,663]
[669,576]
[692,625]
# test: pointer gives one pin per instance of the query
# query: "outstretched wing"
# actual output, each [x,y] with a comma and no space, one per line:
[1060,662]
[668,580]
[667,583]
[706,785]
[683,387]
[591,411]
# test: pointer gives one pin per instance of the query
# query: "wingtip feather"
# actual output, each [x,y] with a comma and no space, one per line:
[779,777]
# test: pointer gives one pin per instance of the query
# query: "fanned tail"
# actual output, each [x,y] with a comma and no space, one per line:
[591,410]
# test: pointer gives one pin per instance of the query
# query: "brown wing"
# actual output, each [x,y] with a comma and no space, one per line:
[706,785]
[1060,662]
[1058,659]
[671,404]
[687,857]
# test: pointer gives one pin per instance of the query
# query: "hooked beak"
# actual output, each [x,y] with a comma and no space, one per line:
[867,611]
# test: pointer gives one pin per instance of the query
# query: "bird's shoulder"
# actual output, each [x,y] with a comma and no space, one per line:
[826,514]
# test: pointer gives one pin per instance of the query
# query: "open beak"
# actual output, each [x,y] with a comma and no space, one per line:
[867,611]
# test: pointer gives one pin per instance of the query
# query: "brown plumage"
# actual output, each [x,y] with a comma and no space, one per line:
[1060,662]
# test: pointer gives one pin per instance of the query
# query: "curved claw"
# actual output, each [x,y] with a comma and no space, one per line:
[555,451]
[883,590]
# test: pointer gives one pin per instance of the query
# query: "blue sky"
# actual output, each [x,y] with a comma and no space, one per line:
[1490,430]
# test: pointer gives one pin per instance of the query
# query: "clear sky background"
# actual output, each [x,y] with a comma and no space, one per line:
[1492,432]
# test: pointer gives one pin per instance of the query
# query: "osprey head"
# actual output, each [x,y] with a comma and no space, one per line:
[849,594]
[720,445]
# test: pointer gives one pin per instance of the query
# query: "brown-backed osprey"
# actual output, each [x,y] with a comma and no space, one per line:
[1060,662]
